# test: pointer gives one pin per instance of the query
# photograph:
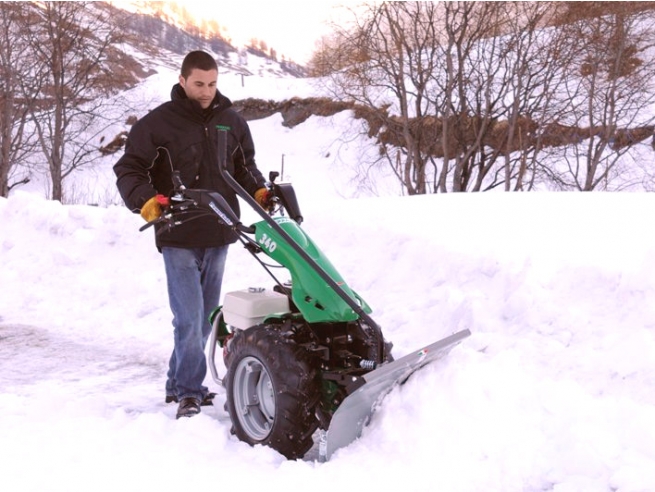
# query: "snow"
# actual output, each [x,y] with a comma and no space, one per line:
[554,390]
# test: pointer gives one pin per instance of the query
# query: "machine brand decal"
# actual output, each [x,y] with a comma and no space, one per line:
[220,213]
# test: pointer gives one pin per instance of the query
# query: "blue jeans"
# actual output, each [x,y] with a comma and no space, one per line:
[194,278]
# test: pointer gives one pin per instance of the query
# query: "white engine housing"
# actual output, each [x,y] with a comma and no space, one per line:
[249,307]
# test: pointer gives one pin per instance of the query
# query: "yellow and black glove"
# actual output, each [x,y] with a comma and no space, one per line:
[263,197]
[153,208]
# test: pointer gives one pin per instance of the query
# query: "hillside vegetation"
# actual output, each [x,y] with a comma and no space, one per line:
[451,96]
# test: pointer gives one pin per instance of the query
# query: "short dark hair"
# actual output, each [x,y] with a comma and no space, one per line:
[200,60]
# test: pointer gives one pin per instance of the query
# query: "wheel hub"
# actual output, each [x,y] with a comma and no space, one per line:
[254,395]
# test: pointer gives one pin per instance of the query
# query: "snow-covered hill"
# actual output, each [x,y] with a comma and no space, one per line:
[554,390]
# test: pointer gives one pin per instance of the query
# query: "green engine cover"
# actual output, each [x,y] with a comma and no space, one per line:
[315,299]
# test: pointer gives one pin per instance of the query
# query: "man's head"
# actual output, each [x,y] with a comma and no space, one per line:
[198,77]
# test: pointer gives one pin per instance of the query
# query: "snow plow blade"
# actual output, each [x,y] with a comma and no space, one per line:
[357,408]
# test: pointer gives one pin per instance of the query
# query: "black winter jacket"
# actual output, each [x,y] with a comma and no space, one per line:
[180,136]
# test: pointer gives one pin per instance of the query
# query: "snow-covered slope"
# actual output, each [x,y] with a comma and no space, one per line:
[554,390]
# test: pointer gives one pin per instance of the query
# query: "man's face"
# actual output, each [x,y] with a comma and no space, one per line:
[200,86]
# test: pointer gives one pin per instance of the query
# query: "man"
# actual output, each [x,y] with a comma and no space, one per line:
[181,135]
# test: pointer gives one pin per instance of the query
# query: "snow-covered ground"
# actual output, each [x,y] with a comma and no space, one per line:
[554,390]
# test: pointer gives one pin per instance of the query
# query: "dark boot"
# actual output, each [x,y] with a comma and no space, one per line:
[206,401]
[188,407]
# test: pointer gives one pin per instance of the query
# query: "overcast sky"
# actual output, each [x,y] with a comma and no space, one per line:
[291,27]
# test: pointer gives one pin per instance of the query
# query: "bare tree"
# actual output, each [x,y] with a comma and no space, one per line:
[384,63]
[15,66]
[463,93]
[72,48]
[499,86]
[471,96]
[534,65]
[455,91]
[614,94]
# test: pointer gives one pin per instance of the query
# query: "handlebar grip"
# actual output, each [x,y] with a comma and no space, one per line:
[149,224]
